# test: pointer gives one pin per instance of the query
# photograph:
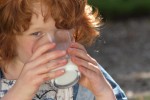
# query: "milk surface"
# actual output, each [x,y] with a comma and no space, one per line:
[70,75]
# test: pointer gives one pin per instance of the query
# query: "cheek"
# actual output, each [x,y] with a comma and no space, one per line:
[24,50]
[27,48]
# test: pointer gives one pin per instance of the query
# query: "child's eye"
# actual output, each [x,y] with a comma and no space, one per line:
[37,34]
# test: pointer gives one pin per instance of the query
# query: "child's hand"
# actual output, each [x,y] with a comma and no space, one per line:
[37,70]
[91,76]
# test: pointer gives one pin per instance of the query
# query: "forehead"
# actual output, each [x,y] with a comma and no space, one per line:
[38,18]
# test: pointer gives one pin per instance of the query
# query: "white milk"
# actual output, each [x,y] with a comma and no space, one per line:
[70,75]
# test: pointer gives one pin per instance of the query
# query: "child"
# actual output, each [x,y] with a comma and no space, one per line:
[25,64]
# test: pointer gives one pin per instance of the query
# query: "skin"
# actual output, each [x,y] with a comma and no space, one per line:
[34,66]
[92,78]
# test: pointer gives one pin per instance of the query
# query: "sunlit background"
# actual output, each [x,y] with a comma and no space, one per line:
[123,48]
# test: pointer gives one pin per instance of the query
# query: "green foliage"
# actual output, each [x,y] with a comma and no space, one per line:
[121,8]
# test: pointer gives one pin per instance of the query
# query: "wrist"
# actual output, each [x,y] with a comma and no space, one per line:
[107,95]
[15,94]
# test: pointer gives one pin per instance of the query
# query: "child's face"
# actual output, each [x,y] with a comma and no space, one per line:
[34,36]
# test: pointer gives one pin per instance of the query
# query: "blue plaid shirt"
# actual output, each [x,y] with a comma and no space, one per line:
[81,93]
[84,94]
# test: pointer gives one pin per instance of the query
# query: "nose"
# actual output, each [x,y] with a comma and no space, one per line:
[47,38]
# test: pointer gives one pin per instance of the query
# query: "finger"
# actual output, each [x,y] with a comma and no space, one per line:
[48,76]
[42,49]
[85,64]
[54,74]
[78,46]
[81,54]
[91,75]
[47,57]
[50,66]
[87,73]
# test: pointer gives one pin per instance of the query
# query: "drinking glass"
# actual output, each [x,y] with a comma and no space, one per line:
[63,39]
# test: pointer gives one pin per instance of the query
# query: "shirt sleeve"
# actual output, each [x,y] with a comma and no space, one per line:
[120,95]
[85,94]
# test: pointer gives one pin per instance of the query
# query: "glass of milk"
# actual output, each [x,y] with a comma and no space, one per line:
[63,38]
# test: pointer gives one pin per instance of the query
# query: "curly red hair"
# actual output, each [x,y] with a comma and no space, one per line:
[15,16]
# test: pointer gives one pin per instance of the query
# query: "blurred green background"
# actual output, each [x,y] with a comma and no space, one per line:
[113,9]
[123,47]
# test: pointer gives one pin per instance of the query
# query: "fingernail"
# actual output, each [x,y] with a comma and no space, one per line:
[62,70]
[63,52]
